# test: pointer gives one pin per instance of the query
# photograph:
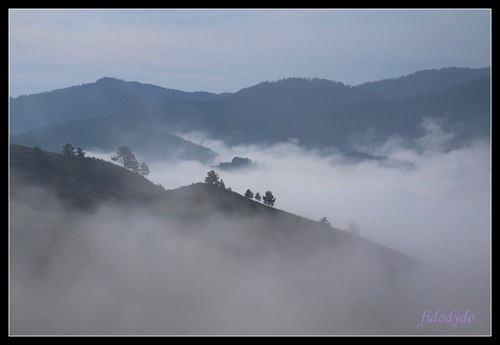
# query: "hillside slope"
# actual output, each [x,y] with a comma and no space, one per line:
[87,183]
[108,133]
[78,182]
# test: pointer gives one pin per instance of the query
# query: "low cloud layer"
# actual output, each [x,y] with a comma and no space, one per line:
[131,271]
[128,271]
[426,200]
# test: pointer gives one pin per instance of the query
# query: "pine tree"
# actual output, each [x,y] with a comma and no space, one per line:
[80,153]
[144,169]
[212,178]
[125,156]
[269,199]
[325,221]
[68,150]
[257,197]
[249,194]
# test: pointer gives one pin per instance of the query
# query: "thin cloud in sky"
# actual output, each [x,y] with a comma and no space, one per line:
[232,49]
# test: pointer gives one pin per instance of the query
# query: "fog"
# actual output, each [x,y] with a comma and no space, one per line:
[133,271]
[432,203]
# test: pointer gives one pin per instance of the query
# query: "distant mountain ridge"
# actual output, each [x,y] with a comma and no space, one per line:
[273,112]
[107,96]
[317,112]
[422,82]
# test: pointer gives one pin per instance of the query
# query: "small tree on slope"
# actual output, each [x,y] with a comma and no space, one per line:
[269,199]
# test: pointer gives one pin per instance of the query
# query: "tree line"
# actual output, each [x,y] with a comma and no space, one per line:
[124,155]
[268,199]
[69,151]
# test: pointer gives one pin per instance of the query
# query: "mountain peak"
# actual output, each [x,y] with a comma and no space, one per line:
[109,79]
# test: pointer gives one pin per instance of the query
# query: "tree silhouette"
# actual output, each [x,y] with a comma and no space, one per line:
[80,153]
[144,169]
[257,196]
[249,194]
[125,156]
[325,221]
[212,178]
[68,150]
[269,199]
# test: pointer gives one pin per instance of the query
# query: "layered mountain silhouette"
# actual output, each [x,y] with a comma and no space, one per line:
[317,112]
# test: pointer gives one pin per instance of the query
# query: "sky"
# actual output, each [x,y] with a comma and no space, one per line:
[227,50]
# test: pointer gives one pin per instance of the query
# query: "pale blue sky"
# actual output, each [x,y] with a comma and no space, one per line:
[226,50]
